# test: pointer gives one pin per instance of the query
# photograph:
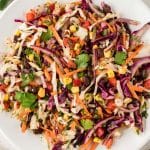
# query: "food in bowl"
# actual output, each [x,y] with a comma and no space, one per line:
[73,74]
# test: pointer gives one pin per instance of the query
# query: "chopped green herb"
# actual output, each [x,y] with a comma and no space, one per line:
[105,32]
[120,58]
[27,78]
[82,60]
[26,99]
[143,110]
[37,59]
[46,35]
[145,114]
[86,124]
[69,86]
[47,22]
[81,74]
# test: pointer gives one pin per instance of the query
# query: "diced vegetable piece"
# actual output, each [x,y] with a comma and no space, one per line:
[41,92]
[27,78]
[86,124]
[100,132]
[120,58]
[82,60]
[30,16]
[26,99]
[46,35]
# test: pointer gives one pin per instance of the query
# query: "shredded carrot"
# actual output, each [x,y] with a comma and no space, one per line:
[54,93]
[3,86]
[24,114]
[94,145]
[74,72]
[97,72]
[109,26]
[133,55]
[35,49]
[78,51]
[50,61]
[86,145]
[23,127]
[61,127]
[74,39]
[47,74]
[56,35]
[76,3]
[50,132]
[100,112]
[124,39]
[108,143]
[30,15]
[92,17]
[138,88]
[48,137]
[66,70]
[71,64]
[132,90]
[33,83]
[73,125]
[37,43]
[79,101]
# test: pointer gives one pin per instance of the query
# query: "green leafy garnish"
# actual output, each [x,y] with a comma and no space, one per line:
[47,22]
[69,86]
[81,74]
[86,124]
[120,58]
[143,110]
[105,32]
[37,59]
[27,78]
[46,35]
[26,99]
[145,114]
[82,60]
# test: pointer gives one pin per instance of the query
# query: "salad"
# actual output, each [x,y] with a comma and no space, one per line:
[74,75]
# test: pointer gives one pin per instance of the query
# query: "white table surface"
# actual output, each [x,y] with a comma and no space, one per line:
[4,145]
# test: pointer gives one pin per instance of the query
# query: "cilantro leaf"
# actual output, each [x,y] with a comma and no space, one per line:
[27,78]
[26,99]
[120,58]
[144,114]
[82,60]
[46,35]
[86,124]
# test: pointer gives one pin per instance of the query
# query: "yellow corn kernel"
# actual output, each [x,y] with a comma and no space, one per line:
[110,73]
[75,89]
[91,35]
[97,97]
[41,92]
[65,117]
[95,46]
[17,33]
[107,54]
[77,46]
[67,80]
[127,101]
[73,28]
[31,57]
[97,140]
[122,69]
[6,97]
